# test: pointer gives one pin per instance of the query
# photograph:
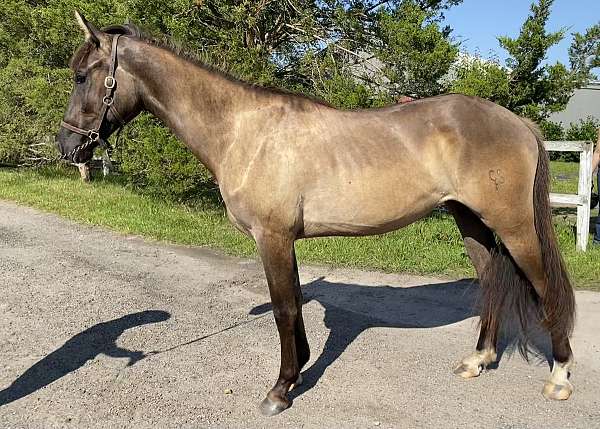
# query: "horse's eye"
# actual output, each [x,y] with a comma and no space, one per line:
[79,78]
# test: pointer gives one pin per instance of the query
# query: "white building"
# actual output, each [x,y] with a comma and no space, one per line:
[584,103]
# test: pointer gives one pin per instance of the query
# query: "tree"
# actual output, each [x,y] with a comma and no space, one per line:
[537,90]
[584,53]
[482,78]
[415,51]
[526,85]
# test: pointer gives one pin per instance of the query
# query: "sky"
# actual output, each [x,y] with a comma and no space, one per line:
[477,23]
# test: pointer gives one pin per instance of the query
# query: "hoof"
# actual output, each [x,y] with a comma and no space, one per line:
[268,407]
[467,371]
[473,365]
[557,392]
[558,387]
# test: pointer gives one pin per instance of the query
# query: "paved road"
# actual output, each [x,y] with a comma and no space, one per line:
[104,330]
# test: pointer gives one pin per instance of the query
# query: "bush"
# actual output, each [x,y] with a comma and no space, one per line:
[586,129]
[552,131]
[483,78]
[154,161]
[30,109]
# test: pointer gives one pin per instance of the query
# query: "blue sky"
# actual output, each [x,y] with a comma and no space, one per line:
[477,23]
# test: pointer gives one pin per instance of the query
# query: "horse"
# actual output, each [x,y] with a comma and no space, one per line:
[290,167]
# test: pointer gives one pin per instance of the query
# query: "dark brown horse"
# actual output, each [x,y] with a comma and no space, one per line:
[290,168]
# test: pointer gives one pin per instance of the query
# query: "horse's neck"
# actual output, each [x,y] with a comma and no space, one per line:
[198,105]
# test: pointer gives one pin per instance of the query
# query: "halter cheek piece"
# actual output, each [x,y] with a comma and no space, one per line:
[93,135]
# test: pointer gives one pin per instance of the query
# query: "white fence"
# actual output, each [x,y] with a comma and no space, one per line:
[581,200]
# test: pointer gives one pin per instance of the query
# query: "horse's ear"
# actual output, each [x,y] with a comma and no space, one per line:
[92,34]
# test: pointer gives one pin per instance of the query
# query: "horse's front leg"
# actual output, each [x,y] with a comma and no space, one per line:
[277,254]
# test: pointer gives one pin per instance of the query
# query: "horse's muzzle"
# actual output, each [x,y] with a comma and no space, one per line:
[67,141]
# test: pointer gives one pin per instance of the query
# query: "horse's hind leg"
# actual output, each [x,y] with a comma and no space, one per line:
[479,242]
[525,250]
[502,280]
[279,261]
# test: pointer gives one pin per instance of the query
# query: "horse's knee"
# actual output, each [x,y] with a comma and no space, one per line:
[285,313]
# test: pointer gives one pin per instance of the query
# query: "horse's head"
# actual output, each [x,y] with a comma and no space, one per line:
[103,96]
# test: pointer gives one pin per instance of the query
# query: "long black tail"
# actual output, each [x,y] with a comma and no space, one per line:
[559,299]
[506,289]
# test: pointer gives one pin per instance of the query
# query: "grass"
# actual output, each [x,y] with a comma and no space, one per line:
[565,177]
[431,246]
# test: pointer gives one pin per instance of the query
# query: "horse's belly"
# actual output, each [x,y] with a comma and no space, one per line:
[366,211]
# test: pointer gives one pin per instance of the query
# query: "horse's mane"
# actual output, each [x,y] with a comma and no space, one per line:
[167,44]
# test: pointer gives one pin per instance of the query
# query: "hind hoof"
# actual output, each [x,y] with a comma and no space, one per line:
[269,407]
[473,365]
[557,392]
[467,371]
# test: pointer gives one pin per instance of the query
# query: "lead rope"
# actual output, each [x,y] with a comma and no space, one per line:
[107,165]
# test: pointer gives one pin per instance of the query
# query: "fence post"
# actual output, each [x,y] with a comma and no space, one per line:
[585,191]
[584,188]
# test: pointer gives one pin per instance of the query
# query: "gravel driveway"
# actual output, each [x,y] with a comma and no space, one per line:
[104,330]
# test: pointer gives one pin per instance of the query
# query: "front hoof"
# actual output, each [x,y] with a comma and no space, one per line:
[467,371]
[557,392]
[269,407]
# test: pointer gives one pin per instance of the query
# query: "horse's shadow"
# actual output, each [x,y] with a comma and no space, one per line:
[99,339]
[351,309]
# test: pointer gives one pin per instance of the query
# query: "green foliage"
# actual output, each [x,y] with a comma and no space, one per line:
[342,91]
[584,130]
[155,161]
[415,51]
[484,79]
[537,90]
[553,131]
[526,86]
[334,83]
[30,109]
[584,53]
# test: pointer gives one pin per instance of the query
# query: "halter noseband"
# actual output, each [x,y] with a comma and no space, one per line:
[93,135]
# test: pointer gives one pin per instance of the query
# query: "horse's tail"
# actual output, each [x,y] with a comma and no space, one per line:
[506,288]
[559,299]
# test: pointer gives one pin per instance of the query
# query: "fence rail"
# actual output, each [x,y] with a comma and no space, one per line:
[581,200]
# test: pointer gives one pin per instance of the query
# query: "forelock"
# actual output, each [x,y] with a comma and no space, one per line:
[80,55]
